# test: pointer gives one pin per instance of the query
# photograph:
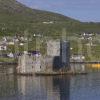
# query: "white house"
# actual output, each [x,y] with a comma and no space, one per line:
[3,47]
[11,55]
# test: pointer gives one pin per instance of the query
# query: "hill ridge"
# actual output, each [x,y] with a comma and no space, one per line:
[16,17]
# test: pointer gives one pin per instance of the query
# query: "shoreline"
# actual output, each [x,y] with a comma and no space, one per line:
[87,62]
[53,73]
[8,63]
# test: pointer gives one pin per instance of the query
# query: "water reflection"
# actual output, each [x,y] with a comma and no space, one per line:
[8,85]
[44,88]
[79,87]
[34,88]
[63,84]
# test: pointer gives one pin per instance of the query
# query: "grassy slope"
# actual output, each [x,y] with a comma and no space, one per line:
[15,17]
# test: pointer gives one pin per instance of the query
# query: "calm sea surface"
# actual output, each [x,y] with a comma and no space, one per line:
[79,87]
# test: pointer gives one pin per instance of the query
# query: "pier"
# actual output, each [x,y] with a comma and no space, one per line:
[86,62]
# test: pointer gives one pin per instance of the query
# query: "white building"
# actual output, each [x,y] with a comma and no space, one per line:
[11,55]
[3,47]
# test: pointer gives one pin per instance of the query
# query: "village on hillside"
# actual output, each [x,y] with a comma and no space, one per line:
[11,46]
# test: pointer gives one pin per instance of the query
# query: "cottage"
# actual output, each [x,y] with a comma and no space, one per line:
[49,22]
[11,55]
[77,58]
[3,47]
[10,43]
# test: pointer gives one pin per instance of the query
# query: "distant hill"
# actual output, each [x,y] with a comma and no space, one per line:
[16,17]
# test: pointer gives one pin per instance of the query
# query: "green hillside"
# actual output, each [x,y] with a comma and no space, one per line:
[16,17]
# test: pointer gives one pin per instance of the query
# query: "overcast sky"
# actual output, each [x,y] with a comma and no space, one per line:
[83,10]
